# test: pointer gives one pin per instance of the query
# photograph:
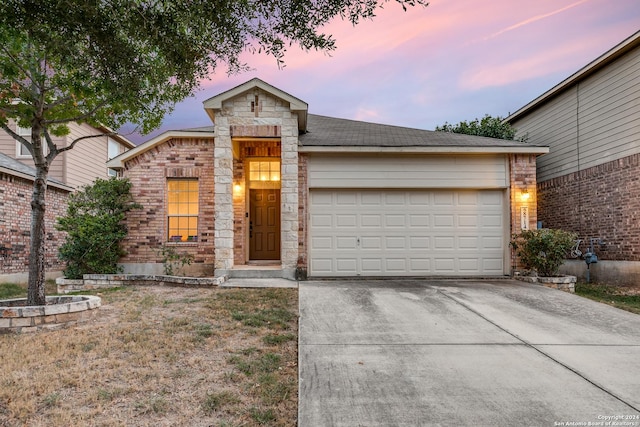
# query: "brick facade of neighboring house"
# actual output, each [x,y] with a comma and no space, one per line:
[604,202]
[15,226]
[589,181]
[287,193]
[69,171]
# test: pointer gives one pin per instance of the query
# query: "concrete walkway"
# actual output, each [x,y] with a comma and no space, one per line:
[461,353]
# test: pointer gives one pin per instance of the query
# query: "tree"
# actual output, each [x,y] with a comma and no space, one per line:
[95,227]
[492,127]
[116,61]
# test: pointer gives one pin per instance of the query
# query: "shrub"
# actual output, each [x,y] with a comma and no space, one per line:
[174,262]
[543,250]
[95,227]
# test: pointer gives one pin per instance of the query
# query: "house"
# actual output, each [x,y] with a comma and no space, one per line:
[69,171]
[16,187]
[81,165]
[589,182]
[272,189]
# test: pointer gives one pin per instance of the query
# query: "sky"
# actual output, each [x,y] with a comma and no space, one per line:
[451,61]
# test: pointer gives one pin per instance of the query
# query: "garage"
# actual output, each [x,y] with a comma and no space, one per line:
[406,233]
[382,227]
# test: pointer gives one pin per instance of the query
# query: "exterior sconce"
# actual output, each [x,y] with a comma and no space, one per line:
[524,195]
[237,188]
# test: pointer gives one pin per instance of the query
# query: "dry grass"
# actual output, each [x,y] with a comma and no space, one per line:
[158,356]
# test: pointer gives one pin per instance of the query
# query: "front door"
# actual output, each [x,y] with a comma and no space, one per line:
[264,225]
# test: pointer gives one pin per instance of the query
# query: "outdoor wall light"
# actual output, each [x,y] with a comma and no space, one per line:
[237,188]
[524,195]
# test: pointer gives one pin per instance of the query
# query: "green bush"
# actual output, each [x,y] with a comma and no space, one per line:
[95,227]
[543,250]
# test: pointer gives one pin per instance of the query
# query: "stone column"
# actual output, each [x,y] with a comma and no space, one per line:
[223,197]
[289,194]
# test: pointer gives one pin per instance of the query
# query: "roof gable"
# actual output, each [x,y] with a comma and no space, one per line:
[295,104]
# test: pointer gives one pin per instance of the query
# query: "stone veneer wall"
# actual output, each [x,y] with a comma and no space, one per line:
[15,227]
[600,202]
[237,119]
[522,176]
[148,172]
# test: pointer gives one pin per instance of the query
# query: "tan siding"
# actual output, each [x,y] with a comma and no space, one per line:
[555,126]
[87,160]
[8,146]
[408,172]
[602,113]
[609,113]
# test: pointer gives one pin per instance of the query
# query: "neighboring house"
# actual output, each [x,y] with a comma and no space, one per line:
[79,166]
[590,180]
[291,194]
[69,171]
[16,187]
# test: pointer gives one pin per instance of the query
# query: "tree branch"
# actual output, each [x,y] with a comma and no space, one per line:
[75,141]
[77,118]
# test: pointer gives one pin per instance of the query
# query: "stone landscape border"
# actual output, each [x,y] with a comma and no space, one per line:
[60,311]
[563,283]
[105,281]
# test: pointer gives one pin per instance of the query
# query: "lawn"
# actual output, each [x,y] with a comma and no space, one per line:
[623,297]
[159,356]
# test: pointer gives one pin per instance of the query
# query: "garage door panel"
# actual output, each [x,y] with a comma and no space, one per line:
[395,220]
[419,220]
[404,233]
[368,220]
[419,242]
[346,266]
[371,242]
[468,265]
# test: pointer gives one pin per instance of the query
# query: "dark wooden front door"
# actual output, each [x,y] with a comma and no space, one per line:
[264,226]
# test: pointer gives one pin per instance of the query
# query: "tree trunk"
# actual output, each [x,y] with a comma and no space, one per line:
[36,295]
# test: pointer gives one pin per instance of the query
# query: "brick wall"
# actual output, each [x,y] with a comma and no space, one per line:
[148,172]
[522,176]
[15,224]
[303,215]
[601,202]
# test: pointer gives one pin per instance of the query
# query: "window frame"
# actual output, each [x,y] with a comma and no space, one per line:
[26,134]
[173,230]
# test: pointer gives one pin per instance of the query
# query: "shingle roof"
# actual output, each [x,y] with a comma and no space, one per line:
[333,132]
[11,164]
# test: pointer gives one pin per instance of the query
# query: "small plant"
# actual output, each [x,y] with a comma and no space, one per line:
[173,261]
[543,250]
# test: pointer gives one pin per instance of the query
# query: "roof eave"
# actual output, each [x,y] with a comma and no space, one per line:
[424,150]
[31,178]
[118,161]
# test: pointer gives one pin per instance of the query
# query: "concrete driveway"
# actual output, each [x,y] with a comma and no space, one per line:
[440,352]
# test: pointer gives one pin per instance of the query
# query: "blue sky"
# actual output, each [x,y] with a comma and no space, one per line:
[453,60]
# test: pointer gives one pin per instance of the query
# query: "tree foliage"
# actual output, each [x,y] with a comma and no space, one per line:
[492,127]
[95,227]
[110,62]
[543,250]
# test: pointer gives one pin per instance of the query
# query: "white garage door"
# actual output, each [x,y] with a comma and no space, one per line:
[406,233]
